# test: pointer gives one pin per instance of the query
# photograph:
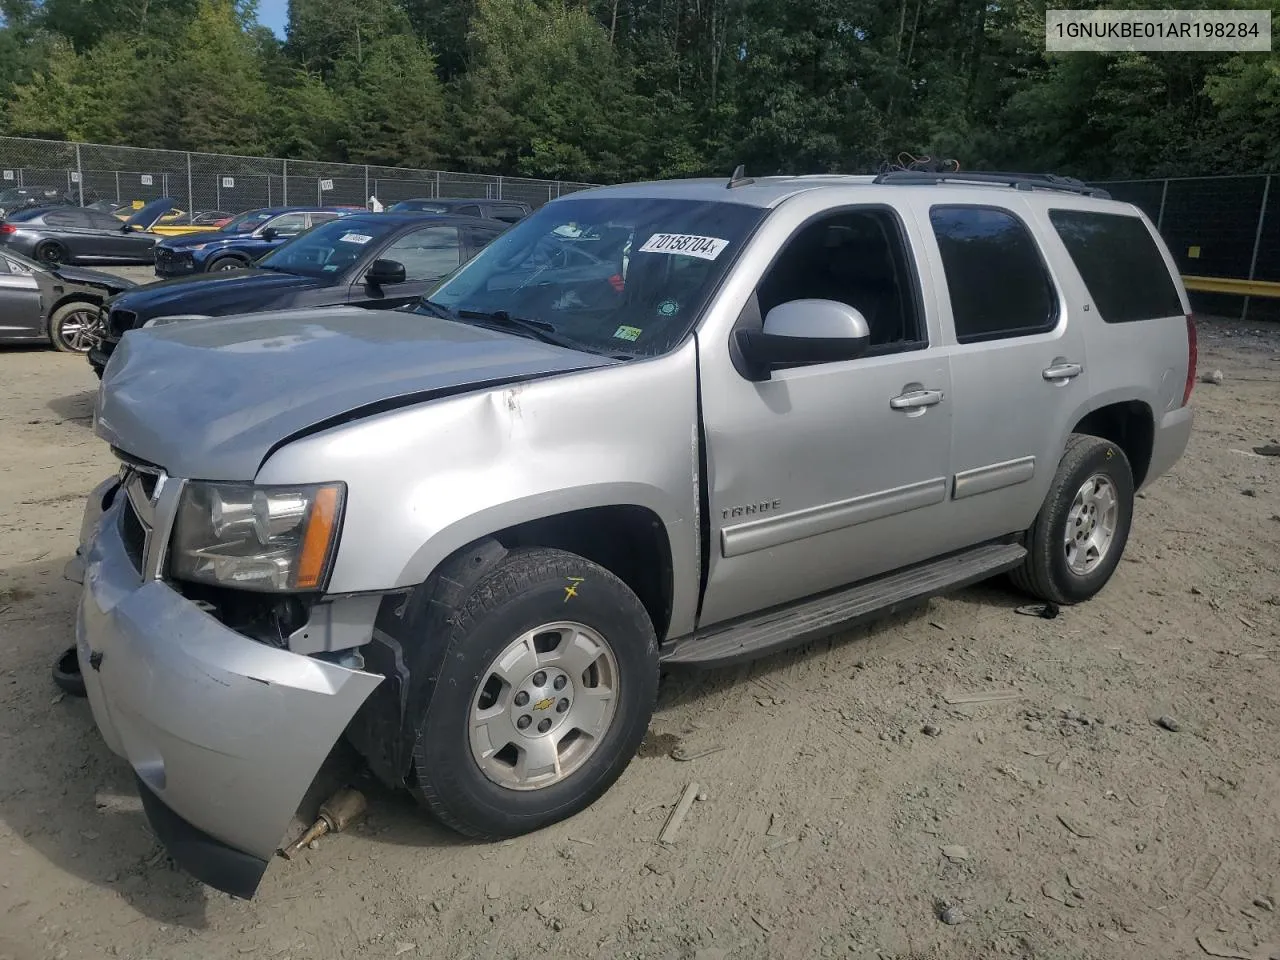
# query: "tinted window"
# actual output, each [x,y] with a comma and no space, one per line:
[64,218]
[289,224]
[508,212]
[998,284]
[856,258]
[1119,263]
[323,217]
[427,254]
[468,211]
[246,222]
[101,221]
[17,216]
[423,206]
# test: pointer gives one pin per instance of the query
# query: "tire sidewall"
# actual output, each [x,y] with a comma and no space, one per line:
[443,740]
[223,264]
[1107,459]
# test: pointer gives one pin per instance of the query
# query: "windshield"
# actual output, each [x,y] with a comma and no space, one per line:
[246,222]
[614,275]
[327,249]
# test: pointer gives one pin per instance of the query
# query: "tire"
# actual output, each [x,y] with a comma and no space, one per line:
[51,252]
[66,673]
[69,326]
[527,590]
[1048,572]
[224,263]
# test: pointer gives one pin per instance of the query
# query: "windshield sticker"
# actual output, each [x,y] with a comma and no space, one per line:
[355,238]
[627,333]
[668,308]
[705,248]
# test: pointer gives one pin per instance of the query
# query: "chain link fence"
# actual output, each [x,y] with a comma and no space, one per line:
[90,172]
[1225,227]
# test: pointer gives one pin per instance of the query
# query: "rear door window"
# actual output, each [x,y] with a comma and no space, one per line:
[1120,264]
[997,280]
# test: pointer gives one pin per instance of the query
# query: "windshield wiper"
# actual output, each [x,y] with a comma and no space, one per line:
[534,329]
[433,308]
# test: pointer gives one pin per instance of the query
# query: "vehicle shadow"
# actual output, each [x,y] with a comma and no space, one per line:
[684,686]
[75,407]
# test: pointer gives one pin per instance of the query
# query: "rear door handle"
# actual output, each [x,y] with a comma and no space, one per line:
[916,400]
[1061,371]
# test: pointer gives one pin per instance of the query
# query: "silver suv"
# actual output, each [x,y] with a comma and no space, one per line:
[669,423]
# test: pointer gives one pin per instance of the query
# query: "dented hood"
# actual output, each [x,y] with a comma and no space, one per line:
[210,399]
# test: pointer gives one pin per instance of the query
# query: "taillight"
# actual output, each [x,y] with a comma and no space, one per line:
[1193,356]
[8,228]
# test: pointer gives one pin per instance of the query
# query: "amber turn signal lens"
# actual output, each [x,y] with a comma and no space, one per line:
[321,528]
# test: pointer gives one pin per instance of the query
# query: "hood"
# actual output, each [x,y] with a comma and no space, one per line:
[146,216]
[94,278]
[184,240]
[216,294]
[210,399]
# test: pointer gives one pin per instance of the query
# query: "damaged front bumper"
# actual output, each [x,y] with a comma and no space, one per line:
[224,733]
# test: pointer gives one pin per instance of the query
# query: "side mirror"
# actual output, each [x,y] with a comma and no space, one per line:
[803,331]
[269,234]
[383,272]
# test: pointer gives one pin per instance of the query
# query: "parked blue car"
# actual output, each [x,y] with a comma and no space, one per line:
[240,241]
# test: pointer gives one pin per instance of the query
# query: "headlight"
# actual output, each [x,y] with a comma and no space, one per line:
[197,246]
[279,538]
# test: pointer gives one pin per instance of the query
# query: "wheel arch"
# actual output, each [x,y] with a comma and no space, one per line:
[1130,425]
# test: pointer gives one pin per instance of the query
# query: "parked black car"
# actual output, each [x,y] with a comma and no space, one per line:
[374,260]
[508,211]
[77,235]
[58,305]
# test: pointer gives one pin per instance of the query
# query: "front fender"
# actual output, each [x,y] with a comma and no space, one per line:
[426,480]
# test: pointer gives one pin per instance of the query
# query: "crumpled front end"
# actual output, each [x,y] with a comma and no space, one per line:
[224,733]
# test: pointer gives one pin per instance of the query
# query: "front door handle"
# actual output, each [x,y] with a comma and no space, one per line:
[1060,371]
[916,400]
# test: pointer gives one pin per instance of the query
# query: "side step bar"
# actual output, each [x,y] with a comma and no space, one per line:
[782,627]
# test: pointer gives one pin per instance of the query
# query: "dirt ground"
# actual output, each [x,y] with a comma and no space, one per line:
[1064,823]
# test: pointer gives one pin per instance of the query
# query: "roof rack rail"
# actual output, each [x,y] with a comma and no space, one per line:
[1019,181]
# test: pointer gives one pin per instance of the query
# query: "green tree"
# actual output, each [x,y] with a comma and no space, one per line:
[394,103]
[546,95]
[215,83]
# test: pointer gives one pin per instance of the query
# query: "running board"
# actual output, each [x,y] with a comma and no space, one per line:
[798,623]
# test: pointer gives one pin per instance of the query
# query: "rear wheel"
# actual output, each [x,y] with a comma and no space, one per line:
[1078,537]
[225,263]
[543,696]
[51,252]
[71,326]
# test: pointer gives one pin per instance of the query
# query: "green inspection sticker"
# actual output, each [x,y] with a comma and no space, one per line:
[627,333]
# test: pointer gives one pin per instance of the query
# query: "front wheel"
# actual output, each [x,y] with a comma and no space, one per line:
[71,327]
[223,264]
[1076,542]
[545,692]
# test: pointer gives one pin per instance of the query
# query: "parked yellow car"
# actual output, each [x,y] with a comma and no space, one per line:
[177,222]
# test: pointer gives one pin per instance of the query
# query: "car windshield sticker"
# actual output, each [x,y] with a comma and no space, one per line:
[627,333]
[355,238]
[705,248]
[668,308]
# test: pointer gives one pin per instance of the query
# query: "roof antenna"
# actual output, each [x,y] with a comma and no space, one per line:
[739,178]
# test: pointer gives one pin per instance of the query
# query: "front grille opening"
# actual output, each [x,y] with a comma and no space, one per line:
[148,483]
[121,321]
[262,617]
[133,534]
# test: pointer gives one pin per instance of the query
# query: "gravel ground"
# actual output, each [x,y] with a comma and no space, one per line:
[959,782]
